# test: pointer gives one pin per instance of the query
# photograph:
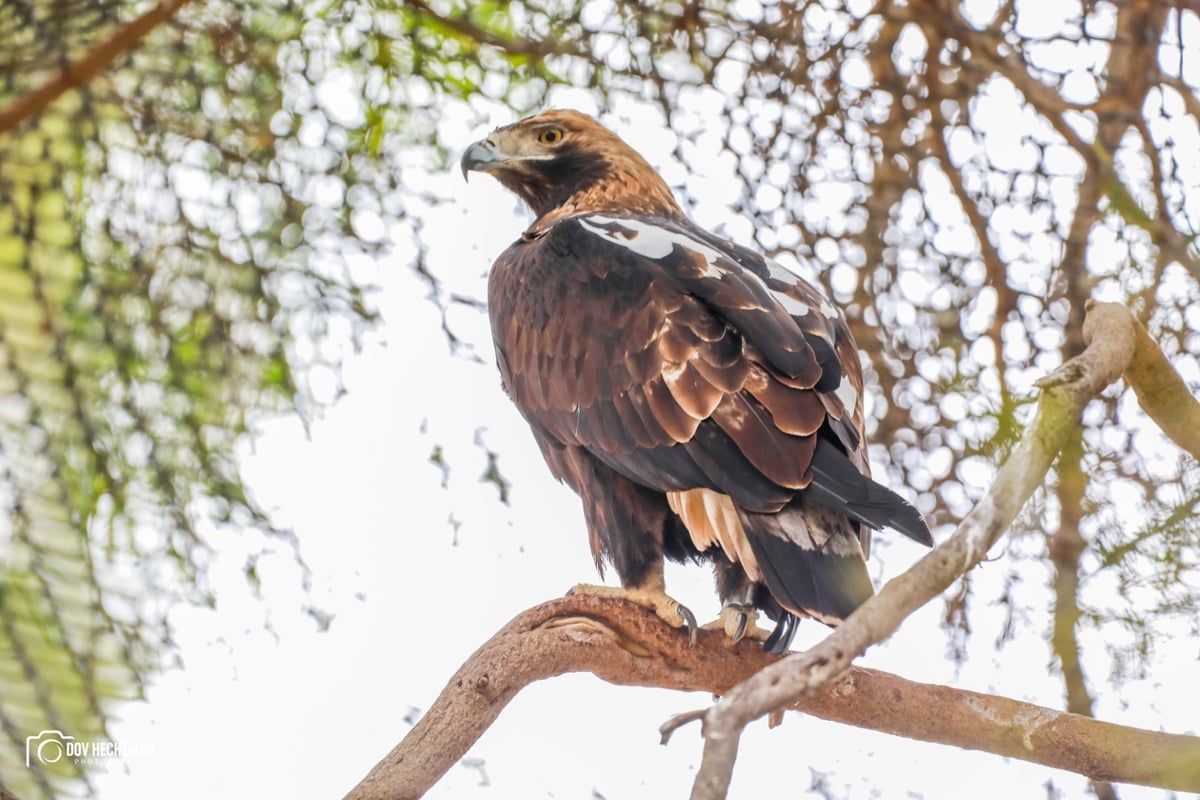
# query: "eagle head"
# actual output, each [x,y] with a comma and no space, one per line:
[566,162]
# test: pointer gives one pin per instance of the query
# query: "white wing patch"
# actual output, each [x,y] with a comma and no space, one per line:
[781,273]
[785,275]
[847,394]
[652,241]
[790,304]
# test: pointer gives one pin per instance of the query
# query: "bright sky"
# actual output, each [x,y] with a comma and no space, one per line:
[294,712]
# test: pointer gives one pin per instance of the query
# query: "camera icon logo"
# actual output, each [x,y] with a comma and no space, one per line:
[48,747]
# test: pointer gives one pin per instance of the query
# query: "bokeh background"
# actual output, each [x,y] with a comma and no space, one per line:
[261,493]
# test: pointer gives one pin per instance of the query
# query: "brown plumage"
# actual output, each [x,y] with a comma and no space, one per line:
[700,398]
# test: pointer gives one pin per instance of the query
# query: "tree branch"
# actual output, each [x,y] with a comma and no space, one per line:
[74,74]
[627,645]
[1112,343]
[1159,388]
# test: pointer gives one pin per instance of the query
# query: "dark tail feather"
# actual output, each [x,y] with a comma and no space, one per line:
[838,484]
[827,583]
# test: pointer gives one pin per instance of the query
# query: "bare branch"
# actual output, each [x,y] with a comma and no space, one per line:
[1065,393]
[627,645]
[1159,388]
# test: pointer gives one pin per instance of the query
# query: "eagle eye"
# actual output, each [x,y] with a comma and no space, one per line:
[550,136]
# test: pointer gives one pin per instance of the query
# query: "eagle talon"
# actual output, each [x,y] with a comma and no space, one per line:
[689,622]
[667,608]
[781,638]
[739,620]
[743,620]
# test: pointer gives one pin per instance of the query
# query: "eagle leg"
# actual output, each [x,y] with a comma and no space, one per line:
[652,596]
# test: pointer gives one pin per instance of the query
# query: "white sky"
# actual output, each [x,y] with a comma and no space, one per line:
[303,714]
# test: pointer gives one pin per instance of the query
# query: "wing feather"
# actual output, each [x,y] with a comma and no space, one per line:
[782,458]
[675,421]
[682,362]
[632,419]
[695,395]
[799,413]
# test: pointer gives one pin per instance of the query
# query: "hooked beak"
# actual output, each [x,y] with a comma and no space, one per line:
[479,157]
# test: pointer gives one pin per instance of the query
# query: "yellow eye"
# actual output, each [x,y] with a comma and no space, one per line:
[550,136]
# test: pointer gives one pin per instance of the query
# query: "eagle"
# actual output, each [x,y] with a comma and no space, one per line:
[704,402]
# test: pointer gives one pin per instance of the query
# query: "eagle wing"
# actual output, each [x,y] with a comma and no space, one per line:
[679,360]
[682,362]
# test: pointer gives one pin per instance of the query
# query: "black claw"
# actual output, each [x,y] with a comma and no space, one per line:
[742,627]
[746,614]
[689,622]
[781,638]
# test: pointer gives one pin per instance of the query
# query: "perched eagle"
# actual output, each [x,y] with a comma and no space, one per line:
[701,399]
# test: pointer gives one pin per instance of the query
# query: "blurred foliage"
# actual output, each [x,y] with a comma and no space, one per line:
[179,230]
[176,237]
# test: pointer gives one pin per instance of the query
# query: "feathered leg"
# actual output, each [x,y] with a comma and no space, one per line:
[627,526]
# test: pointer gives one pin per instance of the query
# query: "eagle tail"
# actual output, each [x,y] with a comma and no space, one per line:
[810,560]
[837,484]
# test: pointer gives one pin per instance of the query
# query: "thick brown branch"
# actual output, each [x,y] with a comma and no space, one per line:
[1065,393]
[79,72]
[625,644]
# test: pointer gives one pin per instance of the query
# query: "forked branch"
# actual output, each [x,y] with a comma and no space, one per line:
[627,645]
[1117,344]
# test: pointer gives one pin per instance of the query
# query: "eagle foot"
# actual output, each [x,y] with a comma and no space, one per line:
[668,609]
[739,620]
